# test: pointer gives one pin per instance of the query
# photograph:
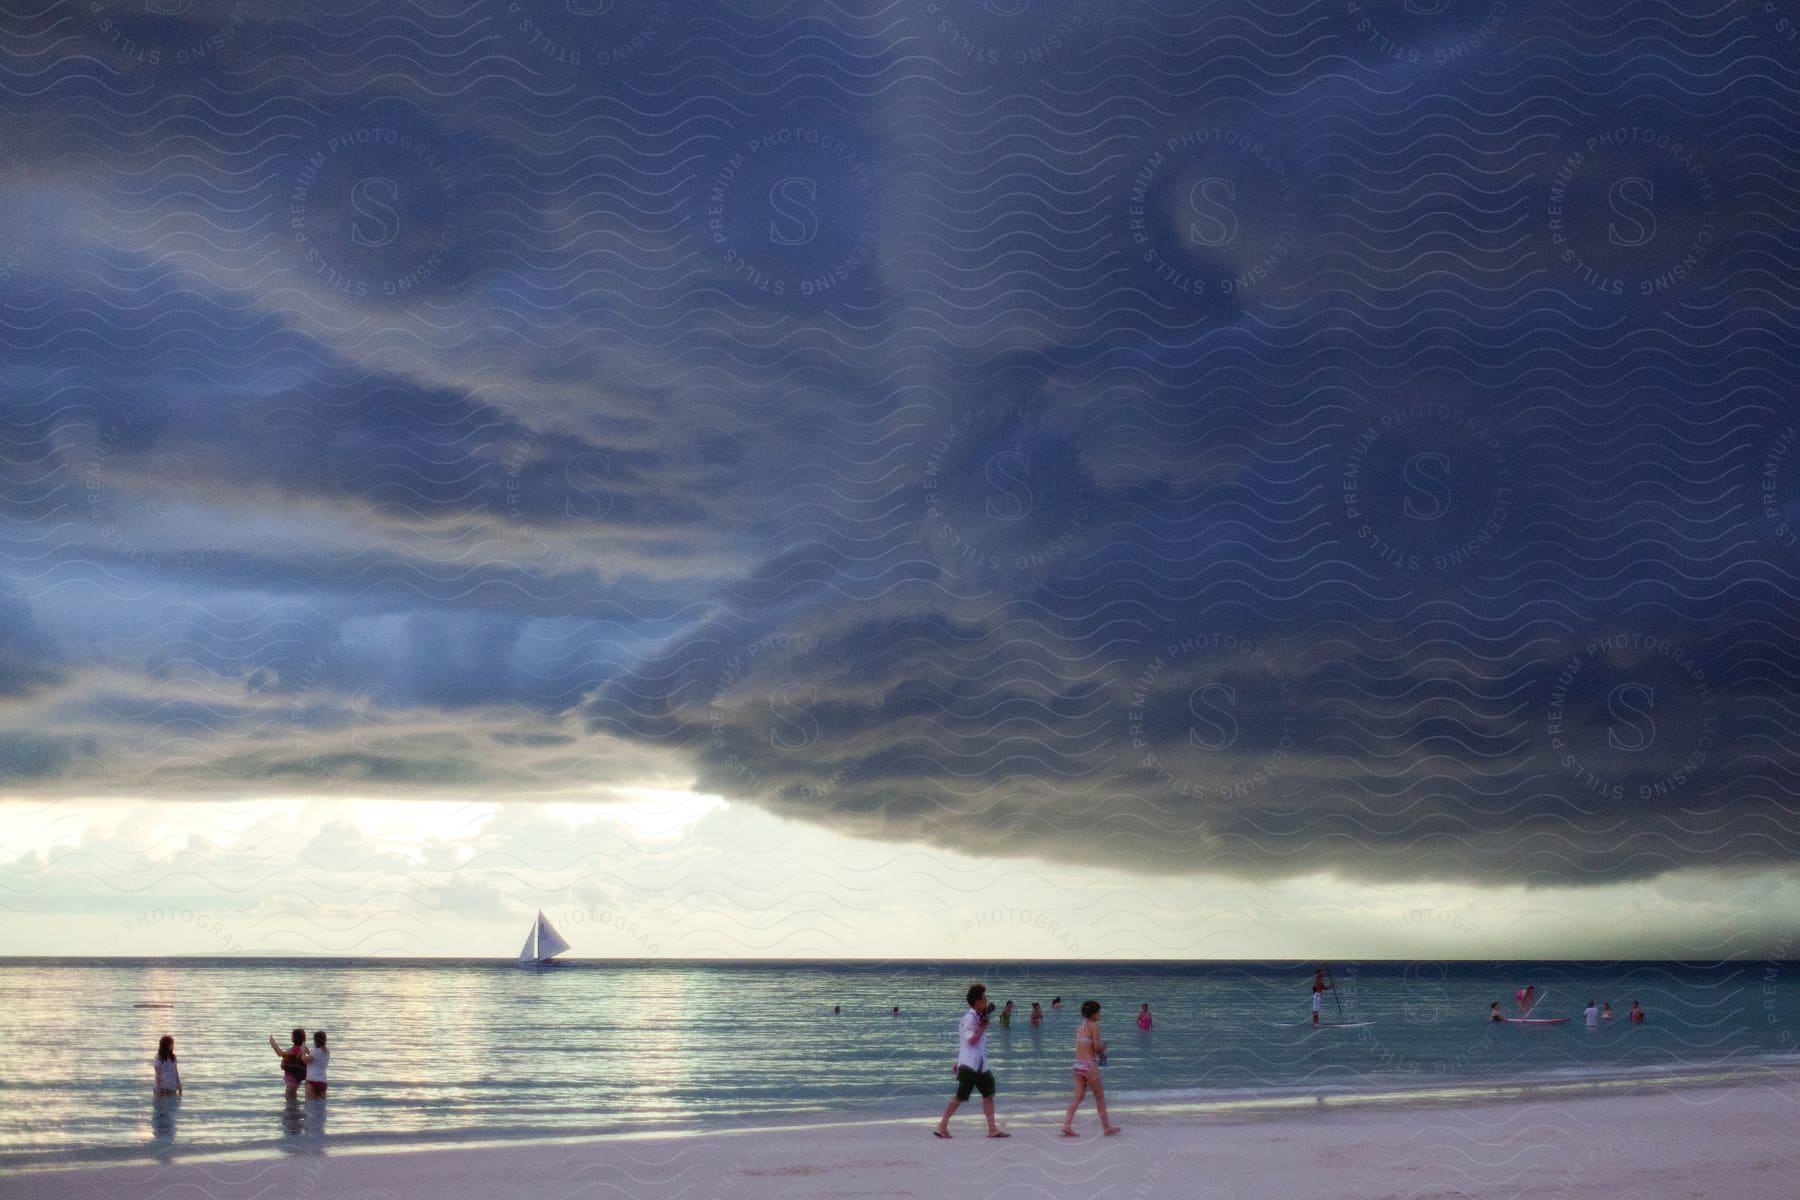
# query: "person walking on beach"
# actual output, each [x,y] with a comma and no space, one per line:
[1090,1056]
[168,1075]
[1320,987]
[1144,1018]
[293,1060]
[316,1062]
[1637,1014]
[972,1072]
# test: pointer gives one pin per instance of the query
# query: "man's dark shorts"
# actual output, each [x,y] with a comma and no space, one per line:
[968,1079]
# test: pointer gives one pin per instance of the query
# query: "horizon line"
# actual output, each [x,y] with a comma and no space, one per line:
[507,960]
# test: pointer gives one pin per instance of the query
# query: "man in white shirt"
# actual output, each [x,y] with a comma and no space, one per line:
[1592,1013]
[972,1072]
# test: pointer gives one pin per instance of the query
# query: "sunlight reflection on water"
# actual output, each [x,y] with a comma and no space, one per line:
[464,1050]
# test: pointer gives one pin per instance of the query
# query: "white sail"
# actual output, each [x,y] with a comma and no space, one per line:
[549,942]
[529,953]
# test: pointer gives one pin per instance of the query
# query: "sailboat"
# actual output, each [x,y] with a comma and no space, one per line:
[542,944]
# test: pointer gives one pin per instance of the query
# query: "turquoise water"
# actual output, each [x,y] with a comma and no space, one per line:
[435,1050]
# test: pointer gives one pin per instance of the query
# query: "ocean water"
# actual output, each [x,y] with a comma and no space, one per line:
[457,1051]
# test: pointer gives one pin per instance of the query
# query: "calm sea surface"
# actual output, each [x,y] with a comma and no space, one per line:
[437,1050]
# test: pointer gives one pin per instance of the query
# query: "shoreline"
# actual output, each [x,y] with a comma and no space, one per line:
[1727,1135]
[1214,1107]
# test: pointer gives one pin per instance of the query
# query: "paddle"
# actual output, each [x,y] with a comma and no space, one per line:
[1332,981]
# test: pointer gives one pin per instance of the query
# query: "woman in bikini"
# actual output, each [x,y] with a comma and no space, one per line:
[1090,1056]
[293,1060]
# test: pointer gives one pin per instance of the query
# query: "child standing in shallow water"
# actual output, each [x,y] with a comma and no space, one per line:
[1090,1056]
[168,1075]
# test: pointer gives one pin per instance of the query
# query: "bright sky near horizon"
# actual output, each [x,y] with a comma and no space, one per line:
[665,873]
[1247,479]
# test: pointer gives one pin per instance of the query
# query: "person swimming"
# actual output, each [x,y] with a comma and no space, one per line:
[1056,1002]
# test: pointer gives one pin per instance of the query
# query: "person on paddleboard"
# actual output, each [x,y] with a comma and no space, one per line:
[1526,996]
[1320,987]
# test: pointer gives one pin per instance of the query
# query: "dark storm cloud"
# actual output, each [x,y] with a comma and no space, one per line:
[1174,438]
[27,656]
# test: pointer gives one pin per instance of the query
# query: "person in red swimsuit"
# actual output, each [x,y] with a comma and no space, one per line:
[293,1061]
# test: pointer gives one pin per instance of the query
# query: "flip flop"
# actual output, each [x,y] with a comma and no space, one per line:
[940,1133]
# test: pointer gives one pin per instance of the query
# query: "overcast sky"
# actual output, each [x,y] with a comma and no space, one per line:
[1271,479]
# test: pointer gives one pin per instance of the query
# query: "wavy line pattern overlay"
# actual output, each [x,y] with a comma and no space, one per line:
[1273,440]
[992,451]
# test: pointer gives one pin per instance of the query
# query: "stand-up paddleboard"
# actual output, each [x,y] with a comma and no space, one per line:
[152,1004]
[1535,1020]
[1322,1024]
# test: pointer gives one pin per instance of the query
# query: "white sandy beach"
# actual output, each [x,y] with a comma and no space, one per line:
[1722,1142]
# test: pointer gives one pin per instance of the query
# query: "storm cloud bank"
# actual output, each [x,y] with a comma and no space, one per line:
[1265,440]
